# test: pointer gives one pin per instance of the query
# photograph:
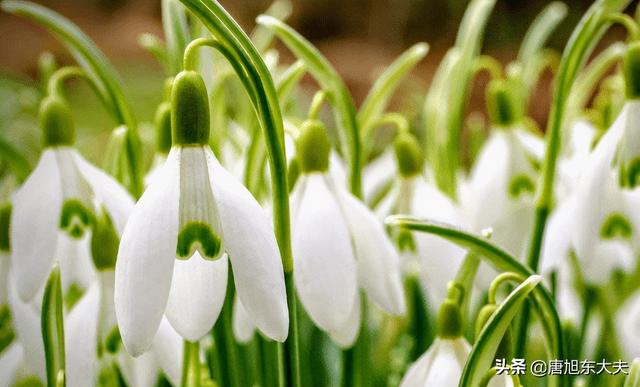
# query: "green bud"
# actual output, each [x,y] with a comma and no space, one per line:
[29,381]
[56,122]
[408,155]
[163,127]
[104,242]
[503,106]
[189,110]
[631,70]
[313,147]
[449,323]
[5,221]
[504,348]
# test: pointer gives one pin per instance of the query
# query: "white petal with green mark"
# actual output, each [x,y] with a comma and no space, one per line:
[250,241]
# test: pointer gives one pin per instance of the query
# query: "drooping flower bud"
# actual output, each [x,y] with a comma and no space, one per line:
[189,110]
[56,122]
[313,147]
[449,320]
[163,126]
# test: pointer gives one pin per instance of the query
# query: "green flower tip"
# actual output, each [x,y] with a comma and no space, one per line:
[189,110]
[449,320]
[615,226]
[163,126]
[503,104]
[56,122]
[408,155]
[5,219]
[104,242]
[313,147]
[76,218]
[198,236]
[631,69]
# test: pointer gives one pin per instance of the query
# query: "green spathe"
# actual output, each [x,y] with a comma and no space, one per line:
[104,242]
[56,122]
[408,155]
[189,110]
[631,69]
[502,103]
[198,236]
[449,320]
[313,147]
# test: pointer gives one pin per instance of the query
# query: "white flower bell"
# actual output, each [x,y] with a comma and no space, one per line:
[57,206]
[628,326]
[338,245]
[171,259]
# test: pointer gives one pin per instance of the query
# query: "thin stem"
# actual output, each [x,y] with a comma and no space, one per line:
[190,364]
[316,104]
[489,64]
[501,279]
[627,22]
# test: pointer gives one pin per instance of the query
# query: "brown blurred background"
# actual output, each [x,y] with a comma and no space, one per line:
[359,37]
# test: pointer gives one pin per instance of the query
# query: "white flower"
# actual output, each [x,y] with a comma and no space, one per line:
[52,215]
[440,366]
[607,233]
[499,194]
[339,246]
[168,261]
[439,258]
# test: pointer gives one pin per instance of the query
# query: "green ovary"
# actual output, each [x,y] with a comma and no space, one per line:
[198,236]
[75,218]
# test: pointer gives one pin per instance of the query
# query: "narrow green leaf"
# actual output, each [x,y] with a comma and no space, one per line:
[263,37]
[540,30]
[484,349]
[377,99]
[329,80]
[52,326]
[176,33]
[19,164]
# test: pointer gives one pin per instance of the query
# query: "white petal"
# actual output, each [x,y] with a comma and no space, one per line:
[440,366]
[604,258]
[74,257]
[11,359]
[146,258]
[197,293]
[501,381]
[556,244]
[167,347]
[81,340]
[34,226]
[4,277]
[325,271]
[439,258]
[108,191]
[377,174]
[255,259]
[347,335]
[243,329]
[628,323]
[141,371]
[378,261]
[26,321]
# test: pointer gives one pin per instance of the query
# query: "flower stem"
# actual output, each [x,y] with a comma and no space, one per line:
[291,346]
[52,325]
[190,364]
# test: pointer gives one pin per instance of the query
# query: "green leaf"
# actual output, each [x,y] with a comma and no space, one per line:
[377,99]
[540,30]
[502,261]
[52,326]
[263,37]
[176,32]
[19,164]
[484,349]
[329,80]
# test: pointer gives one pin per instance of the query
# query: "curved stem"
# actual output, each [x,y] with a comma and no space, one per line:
[316,104]
[489,64]
[247,57]
[627,22]
[156,47]
[500,279]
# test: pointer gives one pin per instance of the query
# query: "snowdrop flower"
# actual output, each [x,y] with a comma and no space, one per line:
[441,365]
[171,259]
[411,194]
[59,203]
[338,245]
[499,193]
